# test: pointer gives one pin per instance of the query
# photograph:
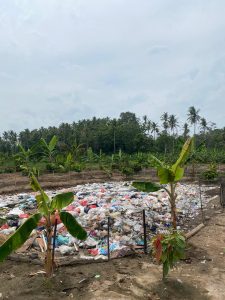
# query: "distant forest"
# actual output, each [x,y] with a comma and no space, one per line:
[127,133]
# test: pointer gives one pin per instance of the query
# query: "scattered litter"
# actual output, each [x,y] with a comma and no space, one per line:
[82,280]
[37,273]
[203,261]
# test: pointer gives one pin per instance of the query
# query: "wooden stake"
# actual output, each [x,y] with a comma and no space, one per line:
[108,244]
[145,237]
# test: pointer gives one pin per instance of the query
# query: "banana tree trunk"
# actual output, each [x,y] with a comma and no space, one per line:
[48,258]
[173,205]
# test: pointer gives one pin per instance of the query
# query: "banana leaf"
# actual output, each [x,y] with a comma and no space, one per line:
[73,227]
[62,200]
[146,186]
[19,237]
[187,148]
[53,143]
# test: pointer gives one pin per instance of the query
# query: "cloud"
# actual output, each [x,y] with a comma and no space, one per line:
[62,61]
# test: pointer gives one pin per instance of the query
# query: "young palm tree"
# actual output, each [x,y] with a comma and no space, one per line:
[193,117]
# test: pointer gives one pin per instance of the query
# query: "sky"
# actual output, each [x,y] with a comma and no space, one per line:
[62,61]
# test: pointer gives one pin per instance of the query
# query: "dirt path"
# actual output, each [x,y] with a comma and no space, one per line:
[201,276]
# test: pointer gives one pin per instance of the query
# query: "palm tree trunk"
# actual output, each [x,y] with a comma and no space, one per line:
[173,140]
[114,141]
[193,163]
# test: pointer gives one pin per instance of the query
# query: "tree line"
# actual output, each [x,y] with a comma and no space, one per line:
[127,133]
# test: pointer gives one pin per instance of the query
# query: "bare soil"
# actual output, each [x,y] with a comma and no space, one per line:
[15,182]
[200,276]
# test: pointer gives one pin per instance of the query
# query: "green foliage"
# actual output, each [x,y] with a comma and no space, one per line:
[52,167]
[136,166]
[168,173]
[169,249]
[146,186]
[127,171]
[73,226]
[48,150]
[92,141]
[211,173]
[61,200]
[91,156]
[77,167]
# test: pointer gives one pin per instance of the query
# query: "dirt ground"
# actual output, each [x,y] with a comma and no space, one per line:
[200,276]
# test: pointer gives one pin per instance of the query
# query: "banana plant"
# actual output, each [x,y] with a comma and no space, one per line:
[47,209]
[68,163]
[24,159]
[49,149]
[171,174]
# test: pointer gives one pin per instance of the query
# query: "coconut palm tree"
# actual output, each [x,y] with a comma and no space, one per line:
[173,124]
[186,130]
[114,125]
[193,117]
[148,126]
[145,120]
[154,129]
[203,125]
[165,119]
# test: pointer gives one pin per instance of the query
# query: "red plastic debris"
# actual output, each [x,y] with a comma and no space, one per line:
[23,216]
[84,202]
[5,226]
[93,252]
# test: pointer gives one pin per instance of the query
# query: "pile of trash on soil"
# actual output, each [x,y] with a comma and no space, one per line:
[99,207]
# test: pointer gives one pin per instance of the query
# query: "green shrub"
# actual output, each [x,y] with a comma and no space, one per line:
[168,249]
[52,167]
[77,167]
[211,173]
[127,171]
[136,166]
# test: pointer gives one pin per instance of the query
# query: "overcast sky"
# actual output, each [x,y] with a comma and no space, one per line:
[65,60]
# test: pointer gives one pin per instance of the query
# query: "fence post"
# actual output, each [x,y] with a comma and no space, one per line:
[108,245]
[200,195]
[145,237]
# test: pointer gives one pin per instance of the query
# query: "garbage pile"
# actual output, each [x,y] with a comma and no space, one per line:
[101,208]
